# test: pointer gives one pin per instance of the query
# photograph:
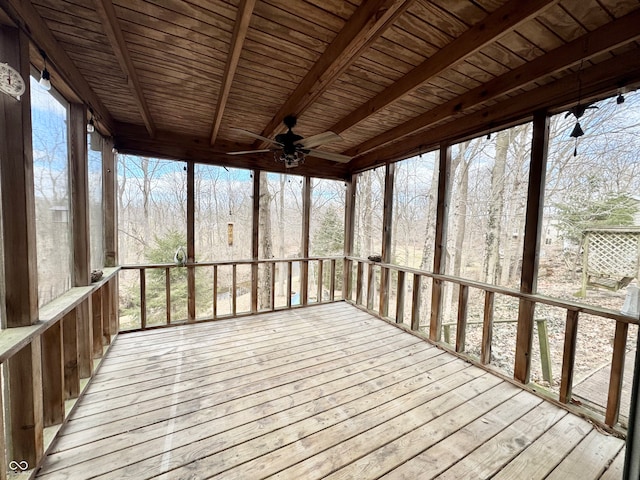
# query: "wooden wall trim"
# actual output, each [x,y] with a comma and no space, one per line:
[16,185]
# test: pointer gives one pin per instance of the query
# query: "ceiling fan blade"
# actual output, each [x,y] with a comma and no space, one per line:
[336,157]
[255,135]
[319,139]
[244,152]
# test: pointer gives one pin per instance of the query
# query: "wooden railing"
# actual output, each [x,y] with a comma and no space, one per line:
[47,366]
[366,279]
[212,285]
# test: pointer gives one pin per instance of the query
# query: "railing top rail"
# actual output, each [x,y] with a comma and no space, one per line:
[532,297]
[228,262]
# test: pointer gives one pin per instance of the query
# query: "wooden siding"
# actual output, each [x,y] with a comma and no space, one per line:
[321,392]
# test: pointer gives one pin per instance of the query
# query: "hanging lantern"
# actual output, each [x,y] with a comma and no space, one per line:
[577,131]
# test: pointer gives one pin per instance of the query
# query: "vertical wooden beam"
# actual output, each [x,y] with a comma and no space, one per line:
[272,266]
[569,355]
[306,221]
[349,231]
[85,338]
[461,327]
[234,289]
[371,279]
[79,183]
[71,355]
[25,393]
[143,298]
[387,231]
[109,202]
[215,291]
[191,243]
[114,294]
[96,310]
[531,252]
[400,297]
[53,375]
[289,274]
[359,275]
[440,247]
[319,289]
[255,245]
[332,281]
[616,378]
[415,306]
[16,188]
[487,328]
[3,443]
[632,452]
[105,291]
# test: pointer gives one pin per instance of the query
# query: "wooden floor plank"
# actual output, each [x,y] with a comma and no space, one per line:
[326,391]
[542,456]
[444,454]
[489,458]
[589,459]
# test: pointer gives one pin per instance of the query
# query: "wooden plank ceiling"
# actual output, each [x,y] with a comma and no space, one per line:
[176,78]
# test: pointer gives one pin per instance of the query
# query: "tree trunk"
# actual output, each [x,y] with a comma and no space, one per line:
[266,243]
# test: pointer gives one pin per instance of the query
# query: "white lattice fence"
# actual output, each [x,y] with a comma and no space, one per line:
[611,257]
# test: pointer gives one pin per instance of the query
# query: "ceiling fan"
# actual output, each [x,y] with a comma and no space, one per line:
[291,149]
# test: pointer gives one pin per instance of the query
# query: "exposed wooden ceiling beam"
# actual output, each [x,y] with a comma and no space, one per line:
[131,139]
[596,82]
[112,28]
[364,26]
[494,26]
[608,37]
[245,10]
[24,14]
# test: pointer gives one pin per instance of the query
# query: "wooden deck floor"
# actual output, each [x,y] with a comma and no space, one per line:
[321,392]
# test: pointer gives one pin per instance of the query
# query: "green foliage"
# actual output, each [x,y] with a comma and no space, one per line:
[612,210]
[329,241]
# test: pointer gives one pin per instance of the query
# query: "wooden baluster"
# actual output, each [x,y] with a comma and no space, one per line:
[370,285]
[400,298]
[106,312]
[234,282]
[384,291]
[487,328]
[96,311]
[215,292]
[616,378]
[143,299]
[114,294]
[85,338]
[332,281]
[569,355]
[254,286]
[415,306]
[53,375]
[461,327]
[273,285]
[359,272]
[167,293]
[320,268]
[71,355]
[289,275]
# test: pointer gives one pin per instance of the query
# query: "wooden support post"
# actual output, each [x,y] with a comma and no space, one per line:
[531,252]
[191,244]
[461,327]
[167,293]
[440,247]
[569,355]
[53,375]
[371,278]
[114,320]
[617,373]
[359,274]
[143,299]
[71,355]
[415,306]
[387,230]
[96,314]
[16,188]
[109,202]
[545,352]
[306,221]
[320,272]
[349,224]
[632,452]
[79,185]
[487,328]
[272,266]
[25,393]
[400,297]
[255,245]
[215,291]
